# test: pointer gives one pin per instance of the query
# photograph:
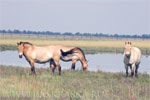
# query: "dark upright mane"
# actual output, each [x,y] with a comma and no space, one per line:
[25,43]
[82,52]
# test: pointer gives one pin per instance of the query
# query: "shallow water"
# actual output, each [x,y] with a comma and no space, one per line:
[104,62]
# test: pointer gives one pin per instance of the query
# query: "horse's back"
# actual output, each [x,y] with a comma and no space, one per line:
[44,53]
[52,48]
[64,48]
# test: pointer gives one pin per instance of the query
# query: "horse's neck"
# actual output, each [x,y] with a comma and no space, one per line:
[133,55]
[132,51]
[27,46]
[84,61]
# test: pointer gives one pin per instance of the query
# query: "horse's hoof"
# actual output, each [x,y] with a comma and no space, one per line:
[32,74]
[136,76]
[126,76]
[59,74]
[73,68]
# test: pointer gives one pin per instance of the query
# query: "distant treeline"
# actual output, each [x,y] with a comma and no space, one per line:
[143,36]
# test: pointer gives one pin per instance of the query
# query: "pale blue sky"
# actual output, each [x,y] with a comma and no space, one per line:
[92,16]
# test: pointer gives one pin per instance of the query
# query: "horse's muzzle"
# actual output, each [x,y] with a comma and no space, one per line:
[20,56]
[128,55]
[84,69]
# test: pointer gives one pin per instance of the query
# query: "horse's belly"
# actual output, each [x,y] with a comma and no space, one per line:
[39,61]
[44,58]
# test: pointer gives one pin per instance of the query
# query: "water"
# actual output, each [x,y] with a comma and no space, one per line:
[104,62]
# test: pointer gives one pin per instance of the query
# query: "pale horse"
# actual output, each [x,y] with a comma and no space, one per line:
[132,58]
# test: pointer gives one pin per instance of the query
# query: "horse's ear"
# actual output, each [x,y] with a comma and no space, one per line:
[125,42]
[130,43]
[18,43]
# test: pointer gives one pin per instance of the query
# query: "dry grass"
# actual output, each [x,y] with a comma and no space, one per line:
[92,46]
[110,43]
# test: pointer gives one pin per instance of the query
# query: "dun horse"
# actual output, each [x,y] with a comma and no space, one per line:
[52,54]
[132,58]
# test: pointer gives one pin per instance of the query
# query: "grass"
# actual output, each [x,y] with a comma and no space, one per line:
[17,84]
[8,42]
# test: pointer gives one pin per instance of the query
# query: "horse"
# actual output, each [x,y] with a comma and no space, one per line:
[42,54]
[132,58]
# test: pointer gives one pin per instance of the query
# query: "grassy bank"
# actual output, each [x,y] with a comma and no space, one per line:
[89,46]
[16,83]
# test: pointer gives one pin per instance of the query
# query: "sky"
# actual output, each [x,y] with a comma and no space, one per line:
[85,16]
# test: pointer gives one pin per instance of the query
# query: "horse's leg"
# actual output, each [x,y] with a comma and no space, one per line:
[73,64]
[32,67]
[126,67]
[59,69]
[52,65]
[58,65]
[136,70]
[132,70]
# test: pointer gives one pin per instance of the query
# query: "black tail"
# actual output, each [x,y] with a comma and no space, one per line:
[71,52]
[66,53]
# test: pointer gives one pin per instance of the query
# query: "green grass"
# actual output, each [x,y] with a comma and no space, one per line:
[7,47]
[16,83]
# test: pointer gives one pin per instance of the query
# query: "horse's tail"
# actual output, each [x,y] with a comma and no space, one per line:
[66,53]
[72,52]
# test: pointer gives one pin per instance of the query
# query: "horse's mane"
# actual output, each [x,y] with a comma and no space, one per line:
[25,43]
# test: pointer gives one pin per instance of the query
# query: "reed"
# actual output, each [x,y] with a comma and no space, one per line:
[8,42]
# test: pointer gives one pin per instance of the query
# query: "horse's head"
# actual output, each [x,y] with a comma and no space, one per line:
[128,49]
[20,49]
[84,65]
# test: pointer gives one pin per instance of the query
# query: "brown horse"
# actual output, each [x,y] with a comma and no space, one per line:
[52,54]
